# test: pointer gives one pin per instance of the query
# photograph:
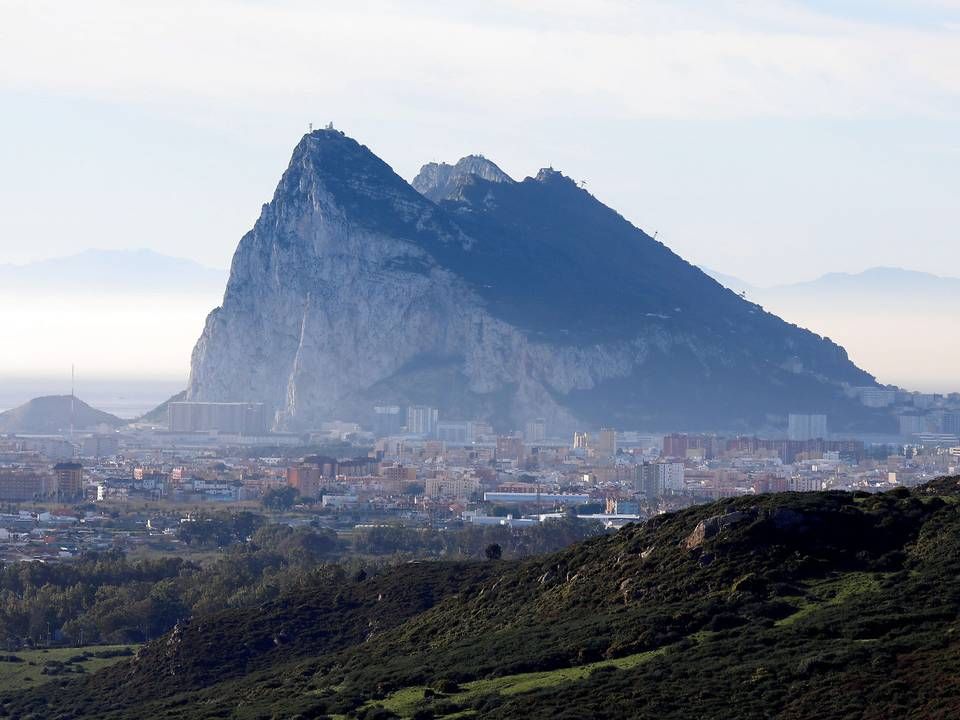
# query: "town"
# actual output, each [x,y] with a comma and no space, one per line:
[96,489]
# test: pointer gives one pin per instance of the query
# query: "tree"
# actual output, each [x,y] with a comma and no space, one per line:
[245,523]
[493,551]
[280,498]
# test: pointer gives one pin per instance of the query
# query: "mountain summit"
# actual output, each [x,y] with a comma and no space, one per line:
[489,298]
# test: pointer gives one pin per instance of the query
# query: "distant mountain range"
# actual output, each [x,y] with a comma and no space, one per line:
[55,414]
[113,271]
[895,284]
[900,323]
[110,312]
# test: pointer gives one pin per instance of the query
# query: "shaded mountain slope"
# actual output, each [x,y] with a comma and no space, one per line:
[823,605]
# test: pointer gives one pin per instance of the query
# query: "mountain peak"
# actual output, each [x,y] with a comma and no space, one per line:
[332,152]
[442,181]
[331,175]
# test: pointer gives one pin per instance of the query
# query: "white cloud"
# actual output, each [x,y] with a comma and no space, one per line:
[607,58]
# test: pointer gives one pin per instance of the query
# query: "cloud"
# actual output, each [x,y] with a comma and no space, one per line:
[116,334]
[521,59]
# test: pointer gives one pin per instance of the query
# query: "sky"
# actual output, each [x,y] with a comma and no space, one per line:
[769,139]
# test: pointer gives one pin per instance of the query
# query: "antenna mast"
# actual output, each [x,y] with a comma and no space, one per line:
[72,397]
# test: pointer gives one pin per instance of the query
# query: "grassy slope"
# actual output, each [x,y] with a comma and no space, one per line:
[406,701]
[816,605]
[27,670]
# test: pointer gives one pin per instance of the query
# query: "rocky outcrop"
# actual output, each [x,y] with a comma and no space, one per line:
[487,298]
[440,181]
[713,526]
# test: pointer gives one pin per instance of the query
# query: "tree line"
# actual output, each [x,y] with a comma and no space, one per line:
[108,598]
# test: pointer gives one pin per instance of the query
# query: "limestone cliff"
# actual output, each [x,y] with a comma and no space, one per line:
[489,298]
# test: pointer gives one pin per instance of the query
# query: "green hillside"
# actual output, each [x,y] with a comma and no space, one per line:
[818,605]
[26,668]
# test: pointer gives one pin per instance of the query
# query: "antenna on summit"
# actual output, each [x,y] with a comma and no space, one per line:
[311,127]
[73,397]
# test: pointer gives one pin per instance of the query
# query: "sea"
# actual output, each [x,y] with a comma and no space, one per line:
[126,398]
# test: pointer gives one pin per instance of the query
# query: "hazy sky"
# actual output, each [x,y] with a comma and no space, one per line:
[772,140]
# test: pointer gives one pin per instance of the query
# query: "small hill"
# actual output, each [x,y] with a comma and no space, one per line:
[53,414]
[826,605]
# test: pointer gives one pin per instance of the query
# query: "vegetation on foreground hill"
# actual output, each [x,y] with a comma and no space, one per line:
[826,605]
[26,668]
[109,598]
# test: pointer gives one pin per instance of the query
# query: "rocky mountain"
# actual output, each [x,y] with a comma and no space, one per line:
[53,414]
[797,605]
[490,298]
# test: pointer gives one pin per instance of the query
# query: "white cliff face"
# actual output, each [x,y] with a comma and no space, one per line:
[338,301]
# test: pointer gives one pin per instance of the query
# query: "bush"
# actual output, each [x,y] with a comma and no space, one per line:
[447,686]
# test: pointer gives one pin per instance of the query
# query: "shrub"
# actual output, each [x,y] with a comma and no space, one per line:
[447,686]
